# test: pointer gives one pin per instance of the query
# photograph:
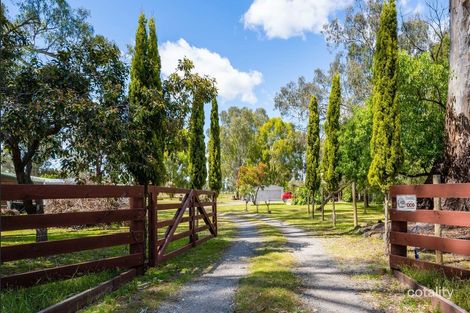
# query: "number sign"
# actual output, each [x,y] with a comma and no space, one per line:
[406,202]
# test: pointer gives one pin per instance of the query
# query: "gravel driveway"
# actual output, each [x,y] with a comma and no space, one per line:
[325,288]
[213,292]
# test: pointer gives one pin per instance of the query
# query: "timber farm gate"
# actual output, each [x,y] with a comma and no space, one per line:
[142,234]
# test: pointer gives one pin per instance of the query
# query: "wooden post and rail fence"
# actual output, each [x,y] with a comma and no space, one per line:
[400,238]
[143,231]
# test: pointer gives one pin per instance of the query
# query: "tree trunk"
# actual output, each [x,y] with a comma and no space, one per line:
[334,213]
[366,201]
[322,207]
[386,226]
[313,206]
[23,176]
[308,204]
[353,189]
[457,120]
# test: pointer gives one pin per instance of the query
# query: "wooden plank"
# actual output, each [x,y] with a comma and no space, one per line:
[176,252]
[202,240]
[168,206]
[27,192]
[68,271]
[165,223]
[457,246]
[175,237]
[432,190]
[34,221]
[438,301]
[453,218]
[202,228]
[169,190]
[137,226]
[397,262]
[47,248]
[78,301]
[152,230]
[203,192]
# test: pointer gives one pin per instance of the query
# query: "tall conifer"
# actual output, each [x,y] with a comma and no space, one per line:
[215,174]
[197,147]
[385,145]
[331,154]
[312,178]
[157,115]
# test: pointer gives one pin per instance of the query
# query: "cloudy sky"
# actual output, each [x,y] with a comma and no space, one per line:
[251,47]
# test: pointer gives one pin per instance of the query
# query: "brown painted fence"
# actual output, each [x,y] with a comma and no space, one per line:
[136,216]
[400,238]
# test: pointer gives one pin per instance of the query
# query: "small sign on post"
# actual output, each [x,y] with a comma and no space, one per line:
[406,202]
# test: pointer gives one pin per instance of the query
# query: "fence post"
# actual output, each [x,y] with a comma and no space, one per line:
[152,227]
[436,179]
[138,226]
[397,226]
[214,211]
[192,223]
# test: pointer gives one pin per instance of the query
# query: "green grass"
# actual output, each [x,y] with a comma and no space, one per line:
[297,215]
[270,286]
[459,288]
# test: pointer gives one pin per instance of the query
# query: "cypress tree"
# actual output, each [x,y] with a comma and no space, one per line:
[197,147]
[157,115]
[138,103]
[215,174]
[385,145]
[312,179]
[331,154]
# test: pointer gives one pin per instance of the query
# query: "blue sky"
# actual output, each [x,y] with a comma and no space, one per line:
[252,47]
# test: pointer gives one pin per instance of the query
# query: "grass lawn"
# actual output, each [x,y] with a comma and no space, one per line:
[270,285]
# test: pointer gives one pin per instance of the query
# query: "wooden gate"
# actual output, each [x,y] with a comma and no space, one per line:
[400,238]
[190,205]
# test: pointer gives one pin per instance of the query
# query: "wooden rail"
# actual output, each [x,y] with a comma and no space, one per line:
[400,238]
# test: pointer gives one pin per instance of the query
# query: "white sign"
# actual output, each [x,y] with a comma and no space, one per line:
[406,202]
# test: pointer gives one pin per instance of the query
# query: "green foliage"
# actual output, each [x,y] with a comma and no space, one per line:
[146,142]
[252,177]
[215,174]
[301,196]
[280,147]
[331,174]
[197,146]
[238,131]
[422,94]
[62,91]
[385,147]
[312,177]
[354,139]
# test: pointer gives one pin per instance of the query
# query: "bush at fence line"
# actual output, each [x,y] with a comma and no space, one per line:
[82,205]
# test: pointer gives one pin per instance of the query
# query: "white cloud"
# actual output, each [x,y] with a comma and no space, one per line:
[289,18]
[231,82]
